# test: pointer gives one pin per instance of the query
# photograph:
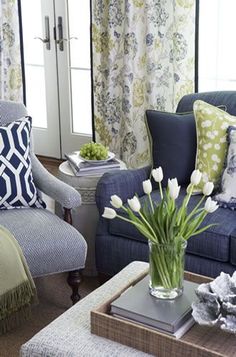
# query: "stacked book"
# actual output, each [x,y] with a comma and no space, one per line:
[172,317]
[85,168]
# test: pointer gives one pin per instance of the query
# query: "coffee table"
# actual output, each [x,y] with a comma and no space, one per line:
[69,335]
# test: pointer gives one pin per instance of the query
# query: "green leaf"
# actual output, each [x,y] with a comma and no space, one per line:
[204,229]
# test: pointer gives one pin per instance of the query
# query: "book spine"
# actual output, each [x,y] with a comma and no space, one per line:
[74,170]
[72,162]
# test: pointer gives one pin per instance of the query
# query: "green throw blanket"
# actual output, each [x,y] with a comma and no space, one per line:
[17,289]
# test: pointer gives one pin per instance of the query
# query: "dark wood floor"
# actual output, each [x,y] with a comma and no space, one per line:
[50,164]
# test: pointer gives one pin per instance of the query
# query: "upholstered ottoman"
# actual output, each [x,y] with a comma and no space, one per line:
[69,335]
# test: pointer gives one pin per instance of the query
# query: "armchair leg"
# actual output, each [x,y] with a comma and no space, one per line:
[74,277]
[74,280]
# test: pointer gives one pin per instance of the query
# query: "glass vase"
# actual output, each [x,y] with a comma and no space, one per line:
[166,269]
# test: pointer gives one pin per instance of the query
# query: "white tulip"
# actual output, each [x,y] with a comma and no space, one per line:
[116,201]
[208,188]
[157,174]
[134,204]
[109,213]
[147,187]
[196,177]
[210,205]
[173,188]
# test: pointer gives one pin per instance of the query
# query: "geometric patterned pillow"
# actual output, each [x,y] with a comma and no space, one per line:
[17,188]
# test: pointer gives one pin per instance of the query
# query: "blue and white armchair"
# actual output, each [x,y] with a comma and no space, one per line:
[50,245]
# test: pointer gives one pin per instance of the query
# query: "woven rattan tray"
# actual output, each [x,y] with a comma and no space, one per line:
[199,341]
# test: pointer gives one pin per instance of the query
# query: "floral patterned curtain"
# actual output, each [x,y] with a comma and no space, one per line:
[10,58]
[143,58]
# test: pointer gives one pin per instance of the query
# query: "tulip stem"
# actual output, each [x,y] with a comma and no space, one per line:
[151,203]
[195,208]
[160,189]
[147,223]
[189,195]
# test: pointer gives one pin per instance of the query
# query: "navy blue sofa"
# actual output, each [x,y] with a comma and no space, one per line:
[118,243]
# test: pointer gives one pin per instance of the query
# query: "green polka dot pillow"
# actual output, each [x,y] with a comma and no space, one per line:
[211,126]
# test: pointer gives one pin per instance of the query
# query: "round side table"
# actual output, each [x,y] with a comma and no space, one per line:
[85,217]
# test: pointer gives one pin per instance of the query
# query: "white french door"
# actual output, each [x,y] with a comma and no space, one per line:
[56,35]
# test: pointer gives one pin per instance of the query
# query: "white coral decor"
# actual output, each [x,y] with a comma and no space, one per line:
[217,303]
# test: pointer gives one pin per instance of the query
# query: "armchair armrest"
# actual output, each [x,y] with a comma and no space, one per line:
[66,195]
[124,183]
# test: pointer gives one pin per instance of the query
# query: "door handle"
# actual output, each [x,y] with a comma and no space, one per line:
[66,39]
[46,40]
[61,39]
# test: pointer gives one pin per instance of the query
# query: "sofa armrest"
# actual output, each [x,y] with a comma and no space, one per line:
[124,183]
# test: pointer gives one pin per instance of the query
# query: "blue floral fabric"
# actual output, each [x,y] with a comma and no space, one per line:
[143,58]
[10,58]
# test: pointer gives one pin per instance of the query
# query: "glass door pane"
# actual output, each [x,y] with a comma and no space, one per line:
[79,26]
[58,77]
[79,47]
[81,99]
[41,75]
[74,73]
[34,62]
[217,55]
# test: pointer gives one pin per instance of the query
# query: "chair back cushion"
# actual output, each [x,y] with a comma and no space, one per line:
[17,188]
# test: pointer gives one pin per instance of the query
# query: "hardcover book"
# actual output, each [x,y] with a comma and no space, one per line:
[83,168]
[169,316]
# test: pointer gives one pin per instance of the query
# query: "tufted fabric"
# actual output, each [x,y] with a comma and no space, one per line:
[49,244]
[70,336]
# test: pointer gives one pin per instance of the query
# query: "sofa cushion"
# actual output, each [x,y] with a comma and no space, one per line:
[49,244]
[213,243]
[175,155]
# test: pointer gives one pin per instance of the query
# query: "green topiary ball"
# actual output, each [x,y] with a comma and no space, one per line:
[94,151]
